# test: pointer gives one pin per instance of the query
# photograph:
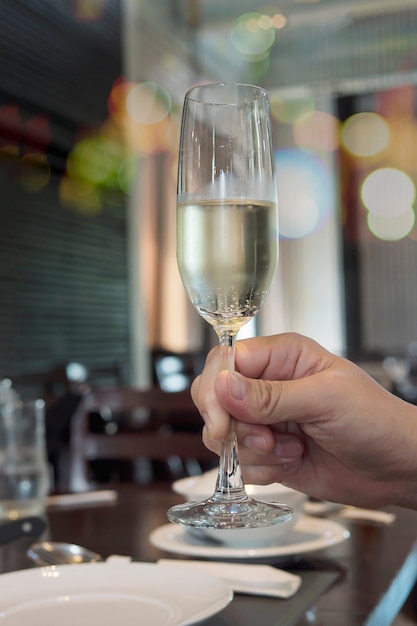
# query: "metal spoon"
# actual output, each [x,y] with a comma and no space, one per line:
[56,553]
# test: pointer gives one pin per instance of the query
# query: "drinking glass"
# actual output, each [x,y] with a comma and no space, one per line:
[24,471]
[227,253]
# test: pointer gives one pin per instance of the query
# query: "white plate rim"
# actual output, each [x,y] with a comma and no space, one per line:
[20,587]
[189,487]
[173,538]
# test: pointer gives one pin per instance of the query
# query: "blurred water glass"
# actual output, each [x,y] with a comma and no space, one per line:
[24,472]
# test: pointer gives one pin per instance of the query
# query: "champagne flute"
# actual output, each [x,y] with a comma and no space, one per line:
[227,253]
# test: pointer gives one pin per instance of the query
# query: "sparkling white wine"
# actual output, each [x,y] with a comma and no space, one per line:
[227,254]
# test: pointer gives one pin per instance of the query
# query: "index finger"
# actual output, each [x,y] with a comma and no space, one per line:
[286,356]
[204,396]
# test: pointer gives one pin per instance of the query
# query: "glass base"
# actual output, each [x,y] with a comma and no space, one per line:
[214,513]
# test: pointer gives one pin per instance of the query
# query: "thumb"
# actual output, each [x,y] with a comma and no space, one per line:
[268,402]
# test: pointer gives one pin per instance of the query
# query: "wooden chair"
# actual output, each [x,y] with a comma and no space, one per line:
[71,377]
[158,426]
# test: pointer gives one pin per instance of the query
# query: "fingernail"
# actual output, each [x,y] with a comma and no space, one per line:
[237,386]
[256,443]
[288,448]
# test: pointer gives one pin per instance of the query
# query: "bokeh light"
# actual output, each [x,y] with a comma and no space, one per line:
[10,152]
[36,134]
[391,229]
[317,131]
[260,67]
[12,126]
[23,147]
[365,134]
[116,102]
[148,103]
[149,139]
[127,172]
[35,172]
[304,192]
[140,123]
[88,10]
[251,35]
[83,197]
[95,160]
[300,213]
[279,21]
[388,192]
[289,109]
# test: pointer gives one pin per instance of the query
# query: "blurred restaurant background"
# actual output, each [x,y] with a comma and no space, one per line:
[91,94]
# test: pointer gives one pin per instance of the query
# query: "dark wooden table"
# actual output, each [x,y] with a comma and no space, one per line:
[364,580]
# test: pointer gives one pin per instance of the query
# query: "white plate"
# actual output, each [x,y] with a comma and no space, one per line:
[310,534]
[108,594]
[202,486]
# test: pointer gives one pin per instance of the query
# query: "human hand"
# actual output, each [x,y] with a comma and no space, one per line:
[312,420]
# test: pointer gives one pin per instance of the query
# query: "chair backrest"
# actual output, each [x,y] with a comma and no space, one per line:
[60,379]
[160,425]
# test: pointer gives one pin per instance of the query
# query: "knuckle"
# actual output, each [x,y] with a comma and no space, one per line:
[212,445]
[267,398]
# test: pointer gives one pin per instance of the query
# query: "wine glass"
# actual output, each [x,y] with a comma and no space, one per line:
[227,253]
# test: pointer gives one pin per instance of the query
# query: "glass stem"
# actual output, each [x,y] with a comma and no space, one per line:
[230,483]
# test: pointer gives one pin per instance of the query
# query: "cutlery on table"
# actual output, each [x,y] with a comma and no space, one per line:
[57,553]
[32,526]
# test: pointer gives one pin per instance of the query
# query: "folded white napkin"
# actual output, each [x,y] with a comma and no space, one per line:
[367,515]
[260,580]
[85,497]
[322,508]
